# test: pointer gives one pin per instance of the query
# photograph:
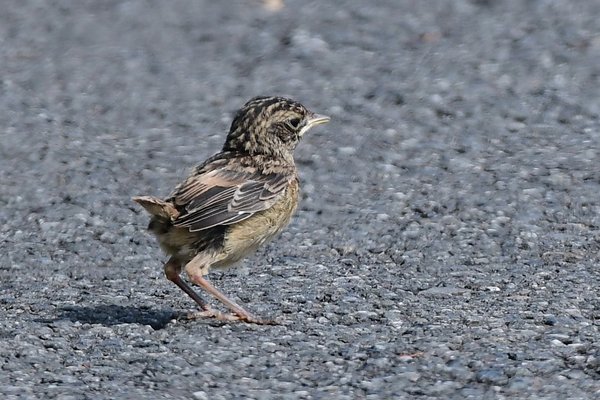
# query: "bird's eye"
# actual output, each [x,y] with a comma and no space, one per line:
[294,123]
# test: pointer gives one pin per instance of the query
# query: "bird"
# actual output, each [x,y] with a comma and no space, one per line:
[235,201]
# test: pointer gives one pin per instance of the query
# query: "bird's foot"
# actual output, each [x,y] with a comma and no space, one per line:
[259,321]
[211,313]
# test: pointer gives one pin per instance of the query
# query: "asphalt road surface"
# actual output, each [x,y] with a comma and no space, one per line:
[447,242]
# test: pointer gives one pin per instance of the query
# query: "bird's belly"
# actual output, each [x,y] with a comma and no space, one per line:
[246,236]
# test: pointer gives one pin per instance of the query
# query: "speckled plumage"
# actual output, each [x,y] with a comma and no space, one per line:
[236,200]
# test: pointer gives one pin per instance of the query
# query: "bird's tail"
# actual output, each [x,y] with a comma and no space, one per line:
[157,207]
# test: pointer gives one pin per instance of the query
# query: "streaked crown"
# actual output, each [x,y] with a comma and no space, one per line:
[270,126]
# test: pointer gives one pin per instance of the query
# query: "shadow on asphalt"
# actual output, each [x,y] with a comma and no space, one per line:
[113,314]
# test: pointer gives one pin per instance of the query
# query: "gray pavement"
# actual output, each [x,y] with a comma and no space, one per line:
[447,243]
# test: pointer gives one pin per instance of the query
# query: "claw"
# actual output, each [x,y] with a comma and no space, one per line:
[210,313]
[259,321]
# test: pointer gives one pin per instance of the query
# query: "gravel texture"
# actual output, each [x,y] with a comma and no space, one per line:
[448,240]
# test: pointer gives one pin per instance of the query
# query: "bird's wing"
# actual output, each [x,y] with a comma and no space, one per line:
[222,196]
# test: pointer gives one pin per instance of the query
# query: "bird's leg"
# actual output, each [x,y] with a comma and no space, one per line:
[172,271]
[195,269]
[233,306]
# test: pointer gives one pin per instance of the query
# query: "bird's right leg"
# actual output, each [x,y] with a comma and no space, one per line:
[195,269]
[173,271]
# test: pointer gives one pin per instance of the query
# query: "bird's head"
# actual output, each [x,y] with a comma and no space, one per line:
[270,126]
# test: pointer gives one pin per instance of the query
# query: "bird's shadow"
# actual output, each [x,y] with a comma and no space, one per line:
[114,314]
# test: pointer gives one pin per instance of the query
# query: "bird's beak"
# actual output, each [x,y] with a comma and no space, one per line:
[317,119]
[314,120]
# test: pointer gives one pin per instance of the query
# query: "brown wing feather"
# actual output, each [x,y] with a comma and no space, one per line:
[223,197]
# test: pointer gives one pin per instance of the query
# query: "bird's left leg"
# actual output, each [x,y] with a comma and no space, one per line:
[172,271]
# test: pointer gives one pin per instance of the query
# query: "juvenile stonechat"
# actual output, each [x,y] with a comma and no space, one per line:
[235,201]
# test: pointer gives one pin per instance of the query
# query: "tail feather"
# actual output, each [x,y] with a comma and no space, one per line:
[157,207]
